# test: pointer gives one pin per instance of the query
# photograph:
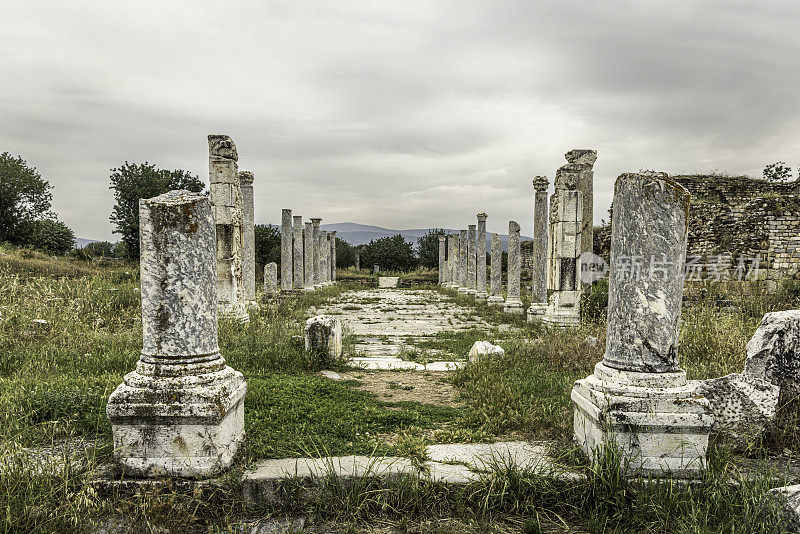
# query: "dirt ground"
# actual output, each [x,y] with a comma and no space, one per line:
[399,386]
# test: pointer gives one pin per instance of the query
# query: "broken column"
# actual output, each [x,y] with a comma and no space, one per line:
[271,278]
[181,412]
[471,264]
[638,397]
[462,262]
[539,269]
[513,302]
[442,240]
[226,202]
[316,258]
[323,337]
[563,308]
[286,250]
[298,277]
[308,270]
[248,237]
[496,276]
[581,164]
[480,258]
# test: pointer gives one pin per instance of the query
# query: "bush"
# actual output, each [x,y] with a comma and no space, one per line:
[390,253]
[51,236]
[594,302]
[100,248]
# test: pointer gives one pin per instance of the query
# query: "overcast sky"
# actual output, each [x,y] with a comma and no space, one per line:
[399,114]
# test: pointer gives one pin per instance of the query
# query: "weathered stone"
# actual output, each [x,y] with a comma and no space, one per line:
[638,396]
[323,336]
[333,256]
[462,261]
[248,236]
[471,259]
[581,164]
[442,251]
[298,276]
[563,309]
[785,502]
[358,261]
[480,256]
[226,202]
[539,264]
[271,278]
[181,412]
[322,246]
[513,302]
[316,257]
[376,269]
[287,269]
[308,271]
[452,256]
[496,286]
[481,349]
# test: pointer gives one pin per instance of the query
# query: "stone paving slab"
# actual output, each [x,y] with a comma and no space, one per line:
[388,281]
[397,364]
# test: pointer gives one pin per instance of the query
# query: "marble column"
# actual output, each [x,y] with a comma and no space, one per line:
[471,261]
[226,203]
[563,308]
[496,276]
[462,262]
[308,252]
[286,250]
[333,256]
[358,261]
[298,277]
[442,244]
[452,254]
[638,396]
[271,278]
[539,270]
[181,412]
[480,257]
[248,237]
[325,244]
[316,258]
[513,301]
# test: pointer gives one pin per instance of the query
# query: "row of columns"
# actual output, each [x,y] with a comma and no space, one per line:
[308,256]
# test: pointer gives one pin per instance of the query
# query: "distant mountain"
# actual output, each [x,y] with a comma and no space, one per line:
[81,242]
[361,234]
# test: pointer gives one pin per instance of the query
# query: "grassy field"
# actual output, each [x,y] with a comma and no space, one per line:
[70,330]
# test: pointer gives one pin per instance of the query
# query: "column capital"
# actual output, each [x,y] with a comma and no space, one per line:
[540,183]
[315,220]
[482,216]
[441,239]
[246,178]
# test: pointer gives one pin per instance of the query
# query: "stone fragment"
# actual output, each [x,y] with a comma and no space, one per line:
[271,278]
[181,412]
[481,349]
[638,396]
[442,254]
[539,270]
[480,287]
[471,261]
[308,246]
[287,269]
[248,237]
[496,286]
[298,276]
[323,337]
[513,302]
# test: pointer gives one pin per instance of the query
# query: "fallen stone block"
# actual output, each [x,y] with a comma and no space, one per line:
[481,349]
[324,336]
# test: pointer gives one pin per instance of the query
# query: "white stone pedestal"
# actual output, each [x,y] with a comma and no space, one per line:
[514,306]
[657,419]
[496,300]
[536,311]
[564,310]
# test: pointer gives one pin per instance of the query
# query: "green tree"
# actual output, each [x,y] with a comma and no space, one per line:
[51,236]
[133,181]
[100,249]
[24,198]
[777,172]
[268,246]
[345,254]
[428,248]
[392,253]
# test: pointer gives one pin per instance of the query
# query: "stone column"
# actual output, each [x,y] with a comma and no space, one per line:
[580,168]
[308,245]
[513,301]
[452,256]
[333,256]
[480,257]
[286,250]
[471,261]
[181,412]
[638,395]
[539,271]
[325,258]
[316,258]
[442,242]
[563,309]
[496,285]
[248,237]
[271,278]
[462,262]
[358,261]
[298,277]
[226,202]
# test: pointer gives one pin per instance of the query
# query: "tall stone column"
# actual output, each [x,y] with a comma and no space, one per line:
[539,271]
[308,246]
[462,262]
[513,301]
[181,412]
[496,276]
[316,258]
[333,256]
[563,309]
[325,264]
[358,260]
[471,261]
[226,203]
[298,277]
[286,250]
[442,244]
[248,237]
[452,254]
[480,256]
[638,395]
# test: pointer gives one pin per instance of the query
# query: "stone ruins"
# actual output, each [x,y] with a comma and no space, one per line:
[308,256]
[513,302]
[539,267]
[181,412]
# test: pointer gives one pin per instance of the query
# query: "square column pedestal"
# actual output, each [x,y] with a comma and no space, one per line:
[657,420]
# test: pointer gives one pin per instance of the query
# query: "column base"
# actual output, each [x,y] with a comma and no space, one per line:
[495,300]
[236,311]
[463,290]
[472,292]
[188,426]
[482,295]
[657,420]
[536,310]
[514,306]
